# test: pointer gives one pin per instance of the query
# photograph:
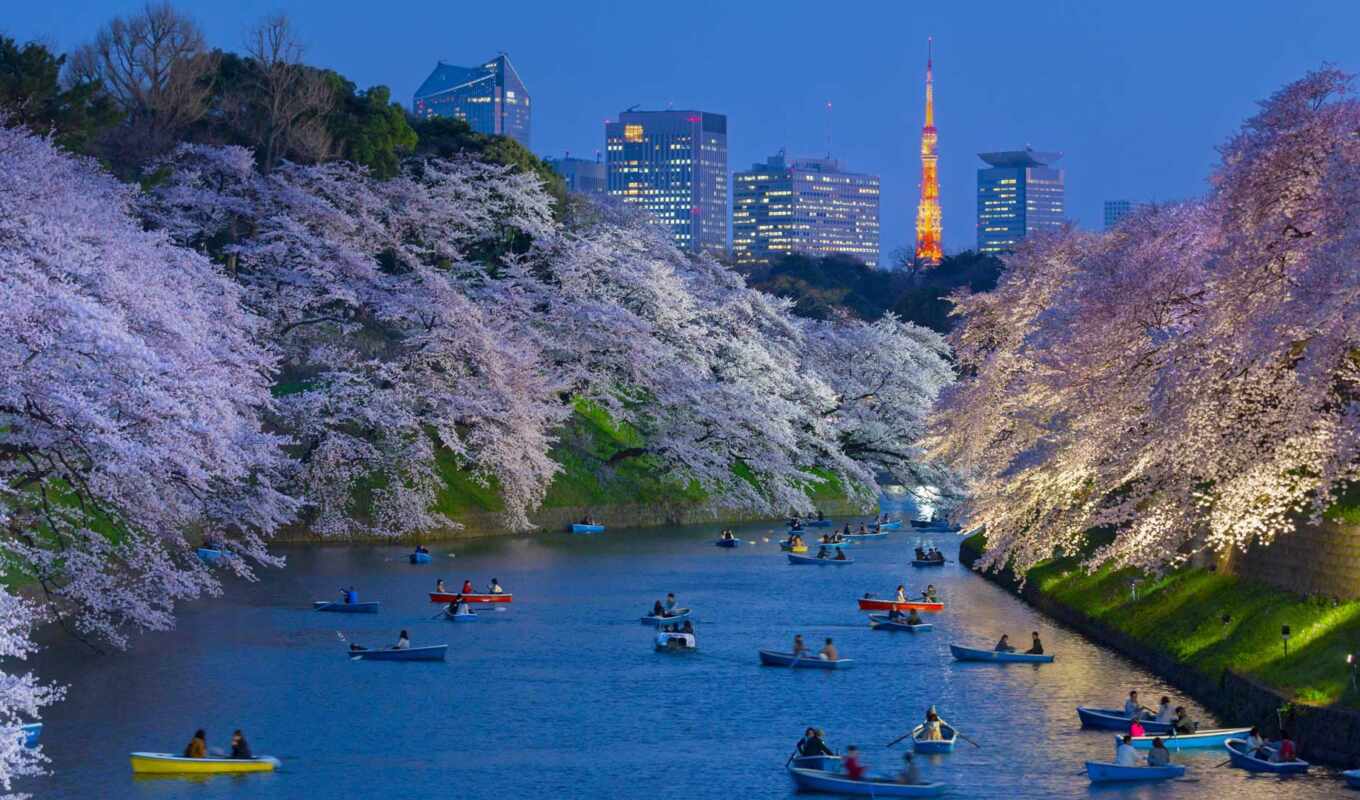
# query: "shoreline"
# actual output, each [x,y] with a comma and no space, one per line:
[1325,735]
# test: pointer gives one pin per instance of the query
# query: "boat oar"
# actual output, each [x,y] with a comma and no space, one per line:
[900,738]
[966,739]
[1224,764]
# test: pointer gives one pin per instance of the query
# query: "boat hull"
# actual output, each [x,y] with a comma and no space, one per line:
[1188,741]
[1113,719]
[1101,772]
[813,780]
[788,548]
[419,558]
[860,537]
[805,561]
[945,745]
[974,654]
[577,527]
[1352,777]
[872,604]
[465,617]
[772,658]
[675,643]
[209,555]
[170,764]
[727,542]
[679,615]
[345,608]
[928,562]
[1238,756]
[448,597]
[880,622]
[829,763]
[433,653]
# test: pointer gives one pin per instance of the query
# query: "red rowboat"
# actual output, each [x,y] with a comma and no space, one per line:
[447,597]
[872,604]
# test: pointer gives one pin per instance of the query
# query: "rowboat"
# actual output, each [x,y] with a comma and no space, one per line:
[31,733]
[727,542]
[771,658]
[1113,719]
[675,642]
[678,615]
[974,654]
[578,527]
[171,764]
[1102,772]
[927,562]
[890,526]
[1352,777]
[874,604]
[345,608]
[466,616]
[1237,754]
[863,536]
[794,558]
[431,653]
[209,555]
[829,763]
[420,558]
[449,597]
[945,745]
[816,780]
[1187,741]
[814,523]
[882,622]
[789,548]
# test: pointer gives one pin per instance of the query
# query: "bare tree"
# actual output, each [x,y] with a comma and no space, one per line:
[156,66]
[293,99]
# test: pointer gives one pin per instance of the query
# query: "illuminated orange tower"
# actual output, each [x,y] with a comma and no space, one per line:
[929,224]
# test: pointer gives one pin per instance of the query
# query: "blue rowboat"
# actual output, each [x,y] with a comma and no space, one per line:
[420,558]
[974,654]
[1352,777]
[678,615]
[1188,741]
[945,745]
[31,733]
[209,555]
[865,536]
[727,542]
[816,780]
[771,658]
[346,608]
[881,622]
[1101,772]
[815,523]
[927,562]
[794,558]
[1237,754]
[828,763]
[1113,719]
[466,616]
[890,526]
[432,653]
[577,527]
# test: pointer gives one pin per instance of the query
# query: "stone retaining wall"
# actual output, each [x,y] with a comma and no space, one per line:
[1325,735]
[1321,559]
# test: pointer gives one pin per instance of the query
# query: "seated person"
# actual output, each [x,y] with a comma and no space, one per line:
[1182,723]
[1159,756]
[854,768]
[496,587]
[1036,647]
[913,618]
[909,775]
[812,744]
[828,652]
[1004,646]
[658,610]
[840,554]
[822,552]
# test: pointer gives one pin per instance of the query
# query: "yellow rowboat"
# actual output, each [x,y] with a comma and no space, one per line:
[789,548]
[169,763]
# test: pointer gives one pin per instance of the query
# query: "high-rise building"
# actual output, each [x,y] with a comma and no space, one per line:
[581,175]
[803,205]
[674,165]
[490,98]
[1019,194]
[929,221]
[1116,210]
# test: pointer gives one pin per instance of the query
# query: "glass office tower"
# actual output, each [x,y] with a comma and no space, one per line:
[674,165]
[490,98]
[1019,194]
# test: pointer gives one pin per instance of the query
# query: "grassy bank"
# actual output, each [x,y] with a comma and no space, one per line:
[1182,614]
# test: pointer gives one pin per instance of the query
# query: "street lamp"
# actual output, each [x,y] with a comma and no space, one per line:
[1351,660]
[1284,637]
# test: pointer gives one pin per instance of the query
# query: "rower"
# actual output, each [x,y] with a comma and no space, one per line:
[894,615]
[1159,756]
[828,651]
[403,642]
[929,595]
[854,770]
[1004,646]
[840,554]
[496,587]
[901,594]
[862,530]
[1164,711]
[351,596]
[439,586]
[1132,708]
[459,605]
[1124,754]
[812,744]
[913,618]
[1256,744]
[1037,649]
[798,646]
[198,746]
[658,610]
[239,747]
[670,602]
[821,552]
[930,730]
[1182,722]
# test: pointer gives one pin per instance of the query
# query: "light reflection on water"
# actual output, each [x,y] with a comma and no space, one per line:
[562,695]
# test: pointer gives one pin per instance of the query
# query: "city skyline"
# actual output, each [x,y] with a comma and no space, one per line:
[1087,93]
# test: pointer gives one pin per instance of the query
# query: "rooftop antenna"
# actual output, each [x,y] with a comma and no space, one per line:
[597,155]
[828,129]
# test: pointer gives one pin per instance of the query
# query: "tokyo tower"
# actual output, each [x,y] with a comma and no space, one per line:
[928,222]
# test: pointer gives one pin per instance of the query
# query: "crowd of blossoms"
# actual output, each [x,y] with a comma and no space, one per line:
[221,351]
[1187,382]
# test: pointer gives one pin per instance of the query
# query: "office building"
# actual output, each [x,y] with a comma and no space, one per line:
[929,220]
[673,164]
[803,205]
[1116,210]
[490,98]
[1018,194]
[582,175]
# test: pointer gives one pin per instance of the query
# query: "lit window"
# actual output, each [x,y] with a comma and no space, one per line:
[632,133]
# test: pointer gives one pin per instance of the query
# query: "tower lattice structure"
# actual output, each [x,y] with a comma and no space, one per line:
[929,224]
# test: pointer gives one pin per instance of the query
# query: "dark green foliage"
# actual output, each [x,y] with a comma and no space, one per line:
[369,129]
[32,94]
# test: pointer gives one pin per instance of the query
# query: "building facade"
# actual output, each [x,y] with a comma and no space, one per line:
[1116,210]
[1018,194]
[490,98]
[673,164]
[929,219]
[581,175]
[804,205]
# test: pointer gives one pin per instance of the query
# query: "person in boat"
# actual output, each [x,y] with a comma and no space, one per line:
[198,746]
[420,548]
[846,530]
[1164,711]
[1004,646]
[913,618]
[1124,754]
[895,616]
[688,627]
[1136,728]
[356,648]
[812,744]
[920,553]
[239,747]
[822,552]
[1036,647]
[495,587]
[820,518]
[901,596]
[459,605]
[798,646]
[1256,744]
[930,731]
[670,603]
[1132,708]
[828,651]
[403,641]
[350,596]
[1159,756]
[1182,722]
[587,520]
[910,775]
[795,525]
[658,610]
[862,530]
[930,595]
[854,768]
[439,586]
[1286,751]
[840,554]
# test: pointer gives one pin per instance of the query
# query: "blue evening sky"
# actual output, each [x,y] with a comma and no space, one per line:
[1137,95]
